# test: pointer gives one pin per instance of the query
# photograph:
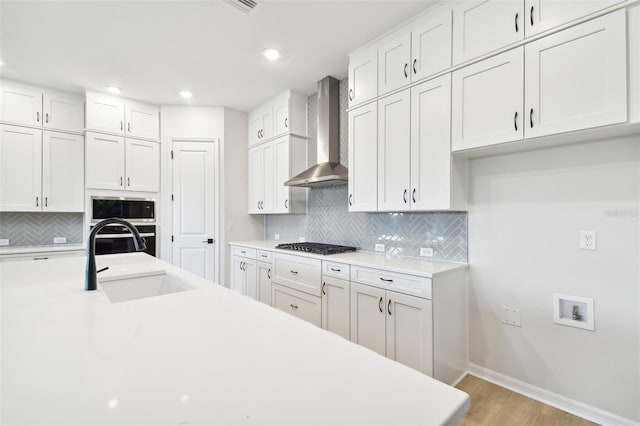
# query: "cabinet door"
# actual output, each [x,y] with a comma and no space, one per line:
[63,112]
[482,26]
[281,114]
[263,276]
[268,178]
[105,161]
[394,150]
[237,274]
[142,161]
[62,172]
[431,44]
[592,57]
[251,282]
[363,76]
[256,179]
[410,331]
[104,113]
[281,169]
[335,305]
[487,101]
[255,125]
[20,104]
[297,303]
[368,317]
[20,169]
[363,158]
[267,122]
[431,144]
[394,60]
[142,121]
[542,15]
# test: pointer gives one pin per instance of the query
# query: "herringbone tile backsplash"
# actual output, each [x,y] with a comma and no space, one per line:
[27,229]
[329,221]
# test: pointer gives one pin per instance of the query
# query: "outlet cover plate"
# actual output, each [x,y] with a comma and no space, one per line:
[276,237]
[59,240]
[379,247]
[510,316]
[587,240]
[4,241]
[426,251]
[302,239]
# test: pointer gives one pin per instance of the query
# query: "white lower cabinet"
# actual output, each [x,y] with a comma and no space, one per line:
[40,170]
[243,276]
[297,303]
[263,270]
[368,319]
[43,255]
[335,305]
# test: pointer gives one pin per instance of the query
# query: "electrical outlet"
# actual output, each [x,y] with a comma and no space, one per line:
[276,237]
[302,239]
[4,241]
[587,240]
[230,227]
[426,251]
[59,240]
[511,316]
[379,247]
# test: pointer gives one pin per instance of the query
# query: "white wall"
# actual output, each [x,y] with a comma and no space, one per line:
[525,211]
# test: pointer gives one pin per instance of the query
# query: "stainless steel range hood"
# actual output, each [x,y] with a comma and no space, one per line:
[328,171]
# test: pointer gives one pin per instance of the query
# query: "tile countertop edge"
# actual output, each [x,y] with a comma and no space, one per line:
[400,264]
[6,250]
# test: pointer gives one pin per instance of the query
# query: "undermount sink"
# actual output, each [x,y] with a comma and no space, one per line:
[121,289]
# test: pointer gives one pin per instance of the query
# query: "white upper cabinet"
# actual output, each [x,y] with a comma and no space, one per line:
[576,78]
[431,44]
[542,15]
[363,158]
[266,118]
[282,115]
[394,151]
[62,172]
[363,76]
[256,178]
[142,121]
[394,60]
[33,106]
[281,148]
[20,169]
[487,101]
[62,112]
[438,182]
[105,113]
[482,26]
[142,165]
[110,114]
[105,161]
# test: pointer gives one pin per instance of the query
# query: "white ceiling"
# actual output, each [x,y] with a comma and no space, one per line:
[152,49]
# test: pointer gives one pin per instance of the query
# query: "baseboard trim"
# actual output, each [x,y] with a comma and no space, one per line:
[569,405]
[459,379]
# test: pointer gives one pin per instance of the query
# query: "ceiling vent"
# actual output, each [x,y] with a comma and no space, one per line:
[244,5]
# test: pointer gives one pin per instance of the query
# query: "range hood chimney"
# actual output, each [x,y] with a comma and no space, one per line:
[328,171]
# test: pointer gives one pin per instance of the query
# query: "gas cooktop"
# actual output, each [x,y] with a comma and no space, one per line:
[317,248]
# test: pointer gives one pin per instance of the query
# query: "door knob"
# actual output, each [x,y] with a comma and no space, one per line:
[209,241]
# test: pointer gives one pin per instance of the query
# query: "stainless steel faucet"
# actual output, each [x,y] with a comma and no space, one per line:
[91,276]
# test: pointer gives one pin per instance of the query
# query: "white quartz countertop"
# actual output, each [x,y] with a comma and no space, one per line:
[40,249]
[401,264]
[202,356]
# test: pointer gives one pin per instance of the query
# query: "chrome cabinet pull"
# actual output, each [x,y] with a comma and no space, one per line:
[515,121]
[263,255]
[323,287]
[43,258]
[121,180]
[46,201]
[46,118]
[350,94]
[121,125]
[406,65]
[389,307]
[413,195]
[269,273]
[293,306]
[335,270]
[385,280]
[516,22]
[286,124]
[404,196]
[380,304]
[243,252]
[531,118]
[128,127]
[38,117]
[414,66]
[286,205]
[294,272]
[128,181]
[350,197]
[531,15]
[37,201]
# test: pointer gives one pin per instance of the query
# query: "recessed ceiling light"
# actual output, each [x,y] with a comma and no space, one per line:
[186,94]
[271,54]
[113,90]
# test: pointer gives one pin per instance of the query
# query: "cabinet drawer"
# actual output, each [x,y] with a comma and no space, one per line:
[403,283]
[297,303]
[298,272]
[244,252]
[337,270]
[264,256]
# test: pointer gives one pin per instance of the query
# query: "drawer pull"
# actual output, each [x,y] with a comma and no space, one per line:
[380,304]
[323,287]
[40,258]
[263,255]
[243,252]
[335,270]
[294,272]
[386,280]
[293,306]
[389,307]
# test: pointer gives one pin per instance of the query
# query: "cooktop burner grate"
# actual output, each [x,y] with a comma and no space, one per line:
[317,248]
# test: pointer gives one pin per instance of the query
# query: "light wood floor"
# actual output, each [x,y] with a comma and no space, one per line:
[492,405]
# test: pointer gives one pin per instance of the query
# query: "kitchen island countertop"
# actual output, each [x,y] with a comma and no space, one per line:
[202,356]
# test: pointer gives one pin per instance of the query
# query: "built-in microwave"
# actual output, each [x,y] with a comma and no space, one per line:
[130,209]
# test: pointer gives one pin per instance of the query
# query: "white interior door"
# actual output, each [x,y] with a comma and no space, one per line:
[195,171]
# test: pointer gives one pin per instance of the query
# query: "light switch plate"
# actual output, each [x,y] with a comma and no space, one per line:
[511,316]
[379,247]
[587,240]
[59,240]
[4,241]
[426,251]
